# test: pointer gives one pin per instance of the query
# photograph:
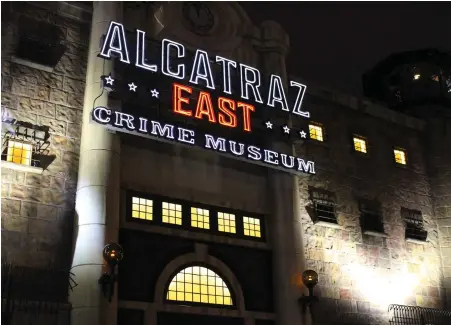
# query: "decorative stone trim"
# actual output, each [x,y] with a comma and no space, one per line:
[22,168]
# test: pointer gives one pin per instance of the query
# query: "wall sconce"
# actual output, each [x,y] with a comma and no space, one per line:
[113,254]
[310,279]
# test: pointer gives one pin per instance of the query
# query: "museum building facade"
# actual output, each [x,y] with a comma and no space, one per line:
[175,130]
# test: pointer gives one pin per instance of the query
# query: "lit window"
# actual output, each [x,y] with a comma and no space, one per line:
[360,144]
[172,213]
[200,218]
[226,222]
[251,227]
[400,156]
[316,132]
[416,76]
[142,208]
[19,152]
[199,285]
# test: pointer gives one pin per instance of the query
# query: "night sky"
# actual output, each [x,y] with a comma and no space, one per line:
[334,43]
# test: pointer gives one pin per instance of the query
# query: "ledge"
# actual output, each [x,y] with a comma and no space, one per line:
[327,224]
[22,168]
[375,233]
[31,64]
[416,241]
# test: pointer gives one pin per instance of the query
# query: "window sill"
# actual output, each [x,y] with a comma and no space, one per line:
[23,168]
[416,241]
[31,64]
[328,224]
[375,233]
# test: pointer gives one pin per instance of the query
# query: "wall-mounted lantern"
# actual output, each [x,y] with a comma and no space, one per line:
[113,254]
[310,279]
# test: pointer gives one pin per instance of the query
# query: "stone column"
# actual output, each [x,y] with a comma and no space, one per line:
[286,227]
[97,198]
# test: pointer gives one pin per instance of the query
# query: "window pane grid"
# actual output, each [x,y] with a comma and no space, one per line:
[226,222]
[360,145]
[200,218]
[199,285]
[400,156]
[316,132]
[251,227]
[142,208]
[171,213]
[19,152]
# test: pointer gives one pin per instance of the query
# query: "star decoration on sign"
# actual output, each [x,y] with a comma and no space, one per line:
[286,129]
[132,87]
[155,93]
[303,134]
[109,80]
[268,125]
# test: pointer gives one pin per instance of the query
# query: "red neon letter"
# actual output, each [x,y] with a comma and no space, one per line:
[178,99]
[229,112]
[205,107]
[246,115]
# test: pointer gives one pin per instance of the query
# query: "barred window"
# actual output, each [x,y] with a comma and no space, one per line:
[171,213]
[316,132]
[413,221]
[142,208]
[200,218]
[199,284]
[226,222]
[324,205]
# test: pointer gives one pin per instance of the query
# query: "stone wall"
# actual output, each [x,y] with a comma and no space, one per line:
[38,209]
[360,275]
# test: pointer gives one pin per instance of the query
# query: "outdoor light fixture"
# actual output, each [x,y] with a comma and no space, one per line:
[113,254]
[310,279]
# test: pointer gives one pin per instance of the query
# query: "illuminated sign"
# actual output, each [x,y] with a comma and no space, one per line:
[230,98]
[165,132]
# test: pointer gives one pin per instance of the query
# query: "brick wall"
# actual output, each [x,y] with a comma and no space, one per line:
[356,269]
[38,209]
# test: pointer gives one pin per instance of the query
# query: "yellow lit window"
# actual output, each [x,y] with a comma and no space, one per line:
[19,152]
[142,208]
[226,222]
[316,132]
[171,213]
[360,144]
[199,285]
[200,218]
[400,156]
[251,227]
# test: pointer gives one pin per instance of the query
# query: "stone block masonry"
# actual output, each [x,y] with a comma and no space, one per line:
[38,209]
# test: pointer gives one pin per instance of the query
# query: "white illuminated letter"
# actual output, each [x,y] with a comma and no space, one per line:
[276,93]
[254,153]
[271,157]
[308,167]
[202,70]
[116,33]
[253,83]
[186,135]
[233,148]
[121,117]
[216,144]
[299,98]
[142,125]
[226,73]
[165,59]
[167,131]
[284,160]
[97,115]
[141,52]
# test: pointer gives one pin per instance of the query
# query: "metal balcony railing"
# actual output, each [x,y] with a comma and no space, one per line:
[412,315]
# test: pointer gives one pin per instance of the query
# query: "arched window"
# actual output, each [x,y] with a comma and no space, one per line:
[198,284]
